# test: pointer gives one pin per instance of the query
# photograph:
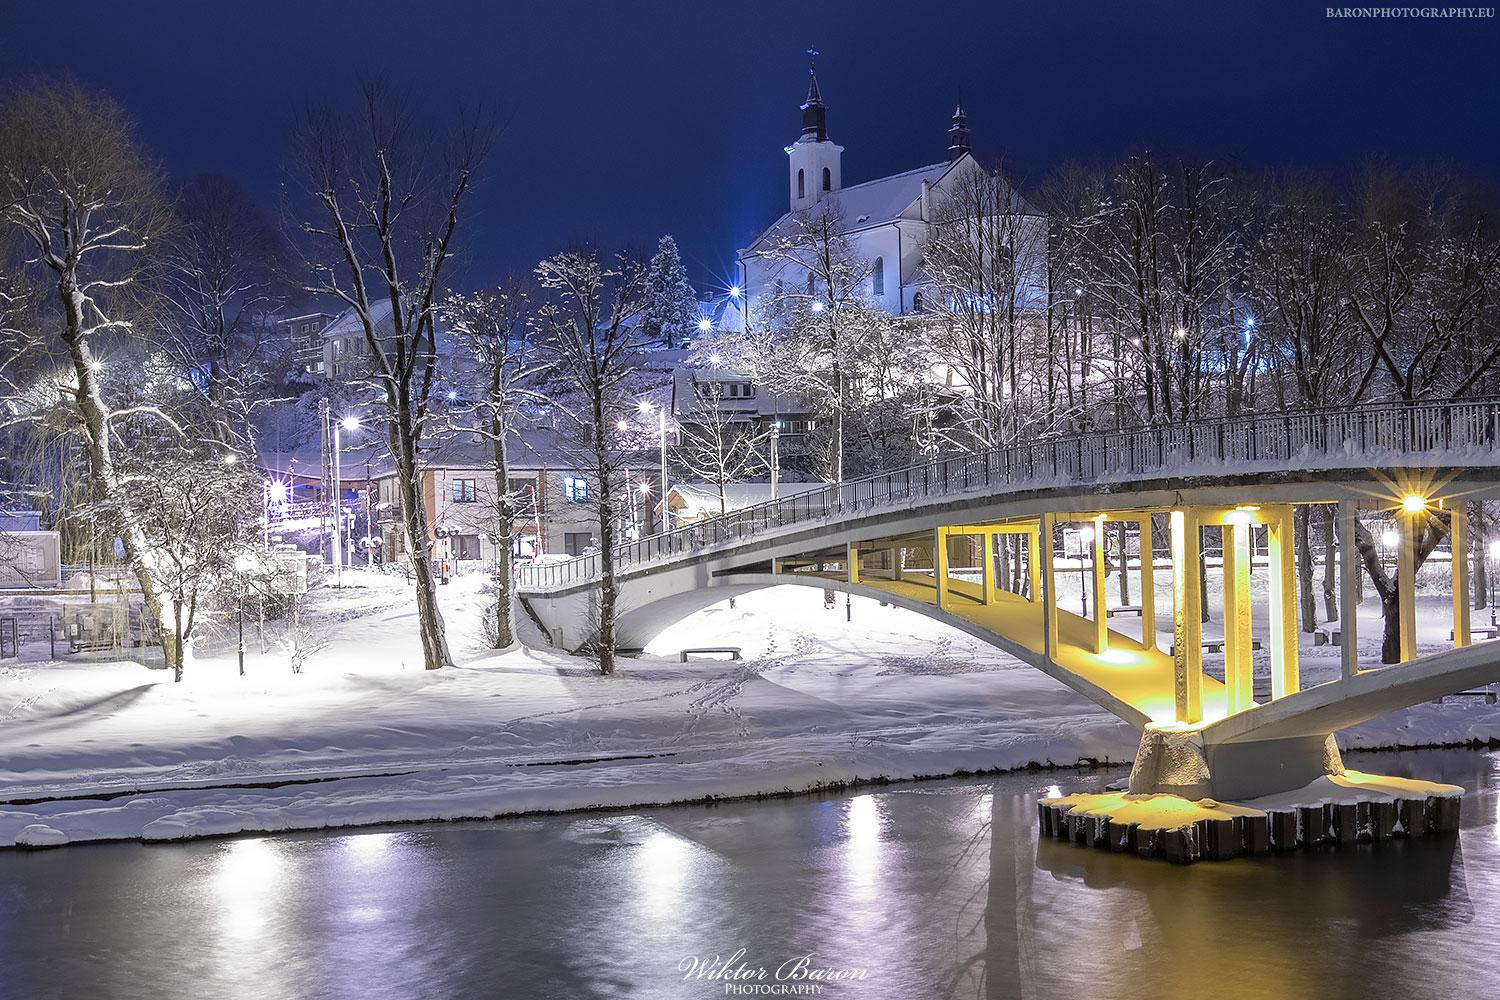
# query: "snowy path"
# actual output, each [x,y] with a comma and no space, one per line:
[116,750]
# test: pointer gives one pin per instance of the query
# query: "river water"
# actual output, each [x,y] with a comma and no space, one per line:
[929,890]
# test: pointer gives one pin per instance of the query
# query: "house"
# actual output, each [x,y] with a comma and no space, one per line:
[347,357]
[697,501]
[553,494]
[304,337]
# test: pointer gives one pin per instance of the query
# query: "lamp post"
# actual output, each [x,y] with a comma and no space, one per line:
[242,565]
[1494,554]
[775,456]
[661,430]
[1085,539]
[349,423]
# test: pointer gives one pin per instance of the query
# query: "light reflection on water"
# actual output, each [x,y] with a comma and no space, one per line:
[936,890]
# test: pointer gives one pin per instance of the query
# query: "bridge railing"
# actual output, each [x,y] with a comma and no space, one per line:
[1466,429]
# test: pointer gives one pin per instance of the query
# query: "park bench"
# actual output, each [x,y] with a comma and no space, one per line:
[1124,609]
[733,652]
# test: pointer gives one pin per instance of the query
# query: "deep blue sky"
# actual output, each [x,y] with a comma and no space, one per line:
[625,120]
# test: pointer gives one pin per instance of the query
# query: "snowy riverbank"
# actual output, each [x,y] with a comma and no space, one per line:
[114,750]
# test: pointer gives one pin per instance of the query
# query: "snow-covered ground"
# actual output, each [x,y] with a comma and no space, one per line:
[364,735]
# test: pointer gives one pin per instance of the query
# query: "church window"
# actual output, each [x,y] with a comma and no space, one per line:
[801,185]
[877,277]
[827,179]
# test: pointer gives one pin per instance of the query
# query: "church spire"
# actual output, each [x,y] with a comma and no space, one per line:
[814,114]
[958,135]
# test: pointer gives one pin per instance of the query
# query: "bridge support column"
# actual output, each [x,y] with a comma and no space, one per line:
[1101,617]
[1046,527]
[894,555]
[852,561]
[1285,669]
[1187,617]
[1148,587]
[1406,586]
[1349,584]
[1458,538]
[1238,666]
[940,564]
[986,568]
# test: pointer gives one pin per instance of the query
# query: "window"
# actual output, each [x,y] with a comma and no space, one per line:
[463,491]
[576,543]
[916,302]
[576,489]
[801,185]
[827,179]
[466,547]
[877,277]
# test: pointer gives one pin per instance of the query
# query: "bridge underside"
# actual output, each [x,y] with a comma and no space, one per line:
[998,578]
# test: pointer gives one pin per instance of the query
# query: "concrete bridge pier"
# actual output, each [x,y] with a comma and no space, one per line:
[1174,760]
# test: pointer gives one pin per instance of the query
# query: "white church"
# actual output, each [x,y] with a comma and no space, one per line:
[887,221]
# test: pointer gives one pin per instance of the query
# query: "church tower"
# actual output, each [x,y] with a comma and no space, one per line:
[958,135]
[813,160]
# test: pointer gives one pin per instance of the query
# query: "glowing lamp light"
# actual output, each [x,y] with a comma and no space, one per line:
[705,325]
[350,423]
[645,489]
[714,359]
[734,291]
[644,406]
[231,458]
[1413,504]
[278,491]
[1181,332]
[452,394]
[816,307]
[1086,535]
[1078,292]
[623,425]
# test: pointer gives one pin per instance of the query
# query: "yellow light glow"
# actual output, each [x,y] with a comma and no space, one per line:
[1413,504]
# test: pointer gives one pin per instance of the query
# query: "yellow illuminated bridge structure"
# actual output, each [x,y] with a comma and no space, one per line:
[1020,547]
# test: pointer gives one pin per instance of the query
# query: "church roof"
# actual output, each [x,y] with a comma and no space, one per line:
[874,203]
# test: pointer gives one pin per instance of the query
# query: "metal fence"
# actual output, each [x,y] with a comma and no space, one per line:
[1455,431]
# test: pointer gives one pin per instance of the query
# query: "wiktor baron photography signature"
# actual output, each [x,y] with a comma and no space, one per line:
[801,975]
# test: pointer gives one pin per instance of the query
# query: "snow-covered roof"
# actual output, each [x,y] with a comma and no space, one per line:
[877,202]
[702,499]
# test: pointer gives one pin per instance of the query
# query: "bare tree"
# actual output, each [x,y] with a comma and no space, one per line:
[496,330]
[387,220]
[589,330]
[715,446]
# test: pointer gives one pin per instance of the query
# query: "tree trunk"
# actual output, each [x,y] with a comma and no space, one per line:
[1124,568]
[414,518]
[1303,547]
[94,415]
[505,628]
[1480,561]
[608,587]
[1330,561]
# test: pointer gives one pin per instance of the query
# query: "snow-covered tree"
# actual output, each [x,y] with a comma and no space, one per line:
[385,209]
[502,372]
[81,193]
[671,313]
[589,327]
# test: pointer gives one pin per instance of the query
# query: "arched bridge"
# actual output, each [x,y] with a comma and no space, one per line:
[987,542]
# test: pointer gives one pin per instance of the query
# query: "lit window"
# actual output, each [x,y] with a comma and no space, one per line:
[576,489]
[463,491]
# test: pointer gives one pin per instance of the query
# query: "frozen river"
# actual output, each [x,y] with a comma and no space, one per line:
[928,890]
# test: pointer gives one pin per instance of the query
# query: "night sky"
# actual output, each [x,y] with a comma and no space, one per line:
[624,120]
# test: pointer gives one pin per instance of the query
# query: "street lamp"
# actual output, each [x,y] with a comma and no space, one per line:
[349,423]
[1494,552]
[645,408]
[242,566]
[705,325]
[1085,539]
